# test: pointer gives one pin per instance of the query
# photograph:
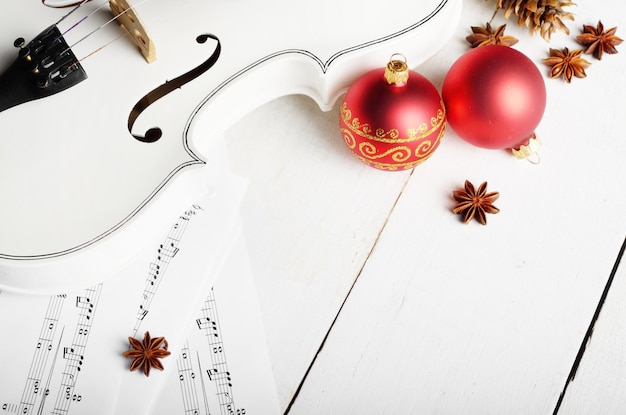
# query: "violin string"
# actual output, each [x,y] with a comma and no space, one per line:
[84,17]
[77,61]
[125,33]
[104,3]
[103,25]
[71,11]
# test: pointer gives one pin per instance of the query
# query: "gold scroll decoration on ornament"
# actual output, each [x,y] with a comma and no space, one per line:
[392,136]
[131,24]
[370,154]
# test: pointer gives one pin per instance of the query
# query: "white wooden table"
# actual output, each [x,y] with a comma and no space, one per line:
[377,299]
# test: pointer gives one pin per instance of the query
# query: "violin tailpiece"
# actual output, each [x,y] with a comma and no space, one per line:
[43,67]
[130,22]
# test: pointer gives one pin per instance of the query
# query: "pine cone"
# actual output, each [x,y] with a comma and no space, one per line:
[543,16]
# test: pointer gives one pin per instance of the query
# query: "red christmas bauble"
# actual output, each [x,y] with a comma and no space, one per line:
[392,118]
[495,97]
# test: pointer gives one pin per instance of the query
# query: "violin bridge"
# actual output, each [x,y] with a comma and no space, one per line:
[130,22]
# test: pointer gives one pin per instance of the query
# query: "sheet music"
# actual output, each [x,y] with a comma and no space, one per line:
[63,354]
[223,367]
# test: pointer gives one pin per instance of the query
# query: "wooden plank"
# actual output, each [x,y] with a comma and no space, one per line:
[448,318]
[311,216]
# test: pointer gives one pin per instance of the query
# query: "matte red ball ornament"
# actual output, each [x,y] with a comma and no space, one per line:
[392,118]
[495,97]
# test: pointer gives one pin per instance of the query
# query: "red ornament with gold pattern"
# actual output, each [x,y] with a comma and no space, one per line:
[392,118]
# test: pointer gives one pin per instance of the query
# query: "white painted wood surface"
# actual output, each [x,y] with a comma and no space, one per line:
[312,214]
[598,385]
[443,317]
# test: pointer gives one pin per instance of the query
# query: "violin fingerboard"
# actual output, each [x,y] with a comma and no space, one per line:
[130,22]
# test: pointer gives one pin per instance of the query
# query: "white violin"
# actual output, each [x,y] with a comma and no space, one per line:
[100,151]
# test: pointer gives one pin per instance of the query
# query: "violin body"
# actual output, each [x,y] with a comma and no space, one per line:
[85,184]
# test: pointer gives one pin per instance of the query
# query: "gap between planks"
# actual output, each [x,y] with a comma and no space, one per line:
[589,333]
[343,303]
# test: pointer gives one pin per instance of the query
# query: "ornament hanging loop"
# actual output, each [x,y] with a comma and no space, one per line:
[534,159]
[397,70]
[398,57]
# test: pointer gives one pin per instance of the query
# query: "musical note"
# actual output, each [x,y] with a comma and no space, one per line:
[186,376]
[70,354]
[219,373]
[233,373]
[9,407]
[168,249]
[208,326]
[143,313]
[153,271]
[43,347]
[74,354]
[210,372]
[73,335]
[157,269]
[84,304]
[50,373]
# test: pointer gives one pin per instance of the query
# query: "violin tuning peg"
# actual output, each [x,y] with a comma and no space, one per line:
[33,67]
[19,42]
[24,53]
[44,66]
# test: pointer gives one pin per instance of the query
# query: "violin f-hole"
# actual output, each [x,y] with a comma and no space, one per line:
[155,133]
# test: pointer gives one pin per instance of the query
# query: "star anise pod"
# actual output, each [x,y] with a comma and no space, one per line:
[487,36]
[567,64]
[474,203]
[599,41]
[146,354]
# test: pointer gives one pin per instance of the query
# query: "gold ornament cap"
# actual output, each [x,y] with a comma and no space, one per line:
[527,150]
[397,71]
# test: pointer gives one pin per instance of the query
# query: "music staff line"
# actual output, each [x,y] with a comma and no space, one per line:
[75,353]
[187,376]
[219,373]
[157,268]
[34,388]
[206,382]
[39,386]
